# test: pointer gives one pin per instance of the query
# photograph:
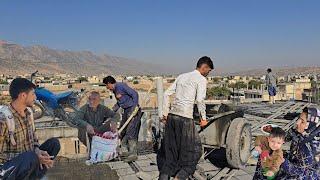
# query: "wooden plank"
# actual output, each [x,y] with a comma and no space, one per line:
[198,176]
[206,167]
[232,173]
[221,174]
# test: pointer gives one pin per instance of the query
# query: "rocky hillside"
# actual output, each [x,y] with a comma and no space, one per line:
[17,59]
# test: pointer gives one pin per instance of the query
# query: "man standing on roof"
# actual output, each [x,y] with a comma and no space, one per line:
[182,144]
[128,100]
[271,82]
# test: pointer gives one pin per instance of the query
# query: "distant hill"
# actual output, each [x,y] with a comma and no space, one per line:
[17,59]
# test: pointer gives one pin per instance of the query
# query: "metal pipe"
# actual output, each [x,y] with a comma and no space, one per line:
[159,85]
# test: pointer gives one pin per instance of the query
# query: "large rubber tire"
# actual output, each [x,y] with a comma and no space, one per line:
[238,143]
[38,111]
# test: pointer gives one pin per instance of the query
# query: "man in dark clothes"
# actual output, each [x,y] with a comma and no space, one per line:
[95,118]
[20,152]
[182,144]
[128,100]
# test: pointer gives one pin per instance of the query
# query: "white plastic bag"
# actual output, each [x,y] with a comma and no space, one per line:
[103,149]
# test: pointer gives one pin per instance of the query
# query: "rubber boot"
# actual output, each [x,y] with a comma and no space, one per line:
[124,153]
[163,177]
[133,155]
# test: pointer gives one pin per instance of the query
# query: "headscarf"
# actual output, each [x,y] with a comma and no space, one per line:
[313,121]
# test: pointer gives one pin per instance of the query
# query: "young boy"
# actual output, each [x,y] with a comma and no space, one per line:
[271,155]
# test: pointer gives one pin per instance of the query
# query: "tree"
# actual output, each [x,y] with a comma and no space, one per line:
[238,85]
[254,84]
[135,82]
[232,85]
[216,79]
[3,82]
[82,79]
[218,92]
[171,80]
[5,99]
[241,85]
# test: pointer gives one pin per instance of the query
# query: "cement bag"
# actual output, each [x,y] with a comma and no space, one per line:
[103,149]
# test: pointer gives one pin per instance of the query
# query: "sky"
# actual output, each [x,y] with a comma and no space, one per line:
[237,35]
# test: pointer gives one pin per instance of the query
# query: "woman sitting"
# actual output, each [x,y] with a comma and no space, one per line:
[302,161]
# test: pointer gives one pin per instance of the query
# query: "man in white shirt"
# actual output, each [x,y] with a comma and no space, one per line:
[182,144]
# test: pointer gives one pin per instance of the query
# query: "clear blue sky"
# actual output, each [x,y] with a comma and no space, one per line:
[239,34]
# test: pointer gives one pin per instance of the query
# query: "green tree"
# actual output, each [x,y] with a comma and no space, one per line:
[254,84]
[232,85]
[216,79]
[3,82]
[238,85]
[171,80]
[218,92]
[5,99]
[135,82]
[82,79]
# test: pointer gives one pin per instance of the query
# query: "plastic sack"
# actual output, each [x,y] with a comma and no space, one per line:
[104,149]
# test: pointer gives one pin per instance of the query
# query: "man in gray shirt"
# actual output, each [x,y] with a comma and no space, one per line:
[91,117]
[271,82]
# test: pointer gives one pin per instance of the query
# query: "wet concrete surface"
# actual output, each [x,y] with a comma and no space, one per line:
[78,170]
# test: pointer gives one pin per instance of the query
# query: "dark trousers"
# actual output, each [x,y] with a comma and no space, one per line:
[182,147]
[131,132]
[27,165]
[82,135]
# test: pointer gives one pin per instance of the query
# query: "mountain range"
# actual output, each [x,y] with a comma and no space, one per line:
[18,59]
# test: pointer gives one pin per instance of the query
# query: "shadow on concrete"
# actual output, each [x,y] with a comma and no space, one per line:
[218,157]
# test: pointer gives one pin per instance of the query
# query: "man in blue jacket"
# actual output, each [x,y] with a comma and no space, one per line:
[128,100]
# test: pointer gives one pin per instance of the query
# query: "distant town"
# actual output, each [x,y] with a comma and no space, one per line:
[221,89]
